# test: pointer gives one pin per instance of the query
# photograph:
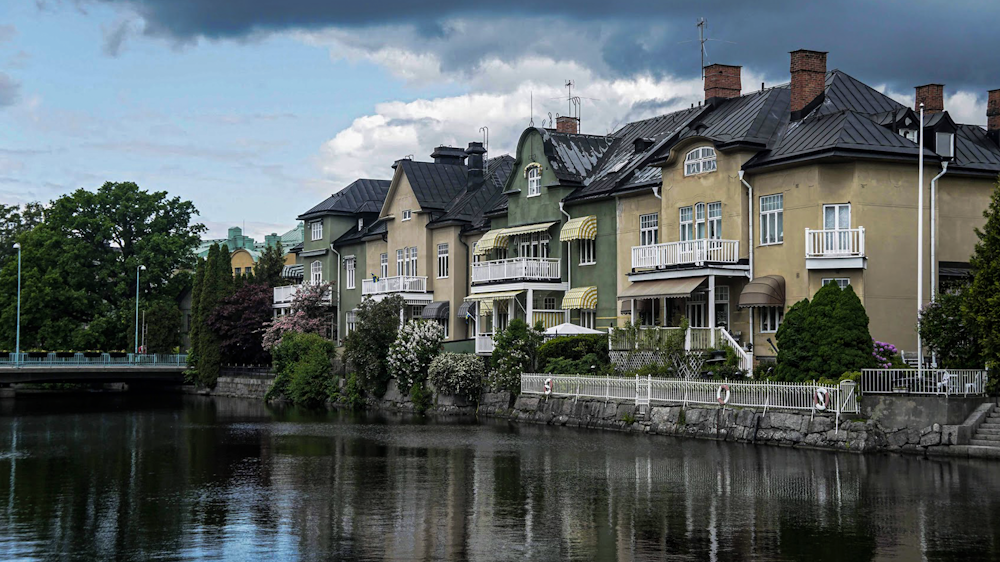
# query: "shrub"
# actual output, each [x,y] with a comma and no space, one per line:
[299,373]
[312,380]
[352,395]
[515,353]
[883,354]
[950,333]
[420,397]
[458,374]
[412,352]
[573,354]
[365,347]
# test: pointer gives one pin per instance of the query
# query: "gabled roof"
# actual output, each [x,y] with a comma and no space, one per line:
[434,185]
[573,156]
[975,151]
[361,196]
[470,206]
[750,119]
[844,92]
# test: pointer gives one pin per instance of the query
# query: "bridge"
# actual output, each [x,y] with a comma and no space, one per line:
[34,367]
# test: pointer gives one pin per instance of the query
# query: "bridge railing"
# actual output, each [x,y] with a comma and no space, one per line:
[32,359]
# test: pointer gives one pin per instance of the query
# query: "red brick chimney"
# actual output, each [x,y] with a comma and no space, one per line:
[808,79]
[993,112]
[722,81]
[566,124]
[932,96]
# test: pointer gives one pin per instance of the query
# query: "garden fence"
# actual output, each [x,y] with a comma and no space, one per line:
[926,381]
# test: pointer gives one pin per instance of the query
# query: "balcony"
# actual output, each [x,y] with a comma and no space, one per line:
[691,252]
[397,284]
[283,296]
[516,269]
[485,344]
[835,249]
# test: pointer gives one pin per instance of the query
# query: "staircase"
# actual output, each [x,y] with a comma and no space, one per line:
[988,434]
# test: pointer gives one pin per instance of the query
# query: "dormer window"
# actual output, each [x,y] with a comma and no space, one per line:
[945,144]
[910,134]
[534,181]
[700,161]
[361,224]
[407,215]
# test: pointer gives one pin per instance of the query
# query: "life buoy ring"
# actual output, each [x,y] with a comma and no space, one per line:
[821,398]
[547,387]
[718,394]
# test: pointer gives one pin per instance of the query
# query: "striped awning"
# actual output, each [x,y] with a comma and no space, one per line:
[580,228]
[525,229]
[464,309]
[580,297]
[661,288]
[490,297]
[437,310]
[768,290]
[490,241]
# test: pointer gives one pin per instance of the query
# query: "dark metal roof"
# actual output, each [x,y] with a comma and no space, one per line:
[470,206]
[434,185]
[573,156]
[752,118]
[361,196]
[844,92]
[975,151]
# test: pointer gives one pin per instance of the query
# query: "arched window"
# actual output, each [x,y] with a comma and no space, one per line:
[534,181]
[316,271]
[699,161]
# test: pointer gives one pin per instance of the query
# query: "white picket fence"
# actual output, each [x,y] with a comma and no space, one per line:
[927,381]
[647,390]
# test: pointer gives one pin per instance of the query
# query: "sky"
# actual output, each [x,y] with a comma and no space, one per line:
[256,110]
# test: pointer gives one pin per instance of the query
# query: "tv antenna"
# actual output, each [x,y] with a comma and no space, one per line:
[486,141]
[702,26]
[531,109]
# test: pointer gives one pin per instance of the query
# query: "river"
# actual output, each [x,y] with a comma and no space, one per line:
[99,476]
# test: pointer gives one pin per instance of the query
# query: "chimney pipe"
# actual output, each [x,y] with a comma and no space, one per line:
[722,81]
[475,162]
[567,124]
[808,70]
[932,96]
[993,113]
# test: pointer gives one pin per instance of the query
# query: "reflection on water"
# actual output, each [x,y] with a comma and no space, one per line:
[196,478]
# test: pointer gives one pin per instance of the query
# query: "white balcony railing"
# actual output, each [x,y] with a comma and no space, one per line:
[485,344]
[848,243]
[397,284]
[694,252]
[533,269]
[283,296]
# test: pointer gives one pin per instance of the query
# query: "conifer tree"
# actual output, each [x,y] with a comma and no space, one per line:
[270,265]
[197,318]
[217,284]
[982,301]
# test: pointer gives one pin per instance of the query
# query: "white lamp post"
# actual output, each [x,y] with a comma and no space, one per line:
[17,340]
[137,270]
[920,243]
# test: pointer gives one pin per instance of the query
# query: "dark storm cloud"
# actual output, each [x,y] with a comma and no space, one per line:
[901,43]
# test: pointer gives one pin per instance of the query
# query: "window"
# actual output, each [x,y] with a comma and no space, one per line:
[549,303]
[770,318]
[236,271]
[475,257]
[317,230]
[316,272]
[349,264]
[351,321]
[649,229]
[842,282]
[411,265]
[383,261]
[587,318]
[534,181]
[945,143]
[687,224]
[699,221]
[699,161]
[407,215]
[442,261]
[587,256]
[722,306]
[772,227]
[715,221]
[533,245]
[910,134]
[361,224]
[443,322]
[400,262]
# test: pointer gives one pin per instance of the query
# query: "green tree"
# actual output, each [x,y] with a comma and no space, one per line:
[951,334]
[163,327]
[302,368]
[367,345]
[216,286]
[982,302]
[515,352]
[270,265]
[15,220]
[196,317]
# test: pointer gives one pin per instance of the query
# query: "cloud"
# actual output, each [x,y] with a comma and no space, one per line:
[7,33]
[10,90]
[116,35]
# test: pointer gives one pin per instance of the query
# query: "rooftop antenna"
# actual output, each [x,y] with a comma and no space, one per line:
[702,24]
[486,141]
[531,110]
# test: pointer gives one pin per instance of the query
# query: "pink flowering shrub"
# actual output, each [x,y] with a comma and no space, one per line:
[311,313]
[883,353]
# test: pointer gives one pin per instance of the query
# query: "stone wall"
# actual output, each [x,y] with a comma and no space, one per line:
[896,411]
[242,386]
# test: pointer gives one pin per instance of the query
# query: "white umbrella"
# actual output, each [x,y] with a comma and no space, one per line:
[567,329]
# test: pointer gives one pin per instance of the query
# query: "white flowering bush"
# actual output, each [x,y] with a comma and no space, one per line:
[416,345]
[514,354]
[458,374]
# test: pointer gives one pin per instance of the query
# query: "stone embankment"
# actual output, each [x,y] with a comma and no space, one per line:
[242,385]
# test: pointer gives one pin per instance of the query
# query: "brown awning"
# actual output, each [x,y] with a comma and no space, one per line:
[662,288]
[768,290]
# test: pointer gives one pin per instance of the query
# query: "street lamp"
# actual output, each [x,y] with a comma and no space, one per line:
[137,270]
[17,341]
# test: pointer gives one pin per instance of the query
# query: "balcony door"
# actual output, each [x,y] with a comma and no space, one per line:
[837,224]
[696,310]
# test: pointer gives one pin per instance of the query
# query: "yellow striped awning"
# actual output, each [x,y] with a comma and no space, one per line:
[580,297]
[525,229]
[490,241]
[580,228]
[485,308]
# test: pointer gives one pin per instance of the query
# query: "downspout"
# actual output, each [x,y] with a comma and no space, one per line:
[340,334]
[934,264]
[663,301]
[749,243]
[468,273]
[569,257]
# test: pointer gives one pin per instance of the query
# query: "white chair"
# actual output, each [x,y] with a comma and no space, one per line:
[945,384]
[975,385]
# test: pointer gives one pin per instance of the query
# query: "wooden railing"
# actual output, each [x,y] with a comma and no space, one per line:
[848,243]
[396,284]
[695,252]
[532,269]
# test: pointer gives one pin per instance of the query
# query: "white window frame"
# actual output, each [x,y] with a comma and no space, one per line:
[476,258]
[770,318]
[532,245]
[361,224]
[534,181]
[350,264]
[649,229]
[401,255]
[699,221]
[549,303]
[411,268]
[442,261]
[701,160]
[383,262]
[443,322]
[316,228]
[407,214]
[588,251]
[842,282]
[721,298]
[316,272]
[588,317]
[351,318]
[715,220]
[686,217]
[772,219]
[950,137]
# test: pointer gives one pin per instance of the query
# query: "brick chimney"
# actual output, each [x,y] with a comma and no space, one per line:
[566,124]
[932,96]
[808,79]
[722,81]
[993,113]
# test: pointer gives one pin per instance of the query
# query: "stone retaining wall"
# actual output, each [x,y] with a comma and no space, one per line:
[243,386]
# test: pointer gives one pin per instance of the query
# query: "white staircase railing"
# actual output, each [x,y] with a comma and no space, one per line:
[745,358]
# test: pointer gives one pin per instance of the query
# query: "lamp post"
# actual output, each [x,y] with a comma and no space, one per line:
[920,242]
[137,270]
[17,340]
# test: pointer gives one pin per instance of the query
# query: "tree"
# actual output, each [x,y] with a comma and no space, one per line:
[197,319]
[216,286]
[163,327]
[951,334]
[310,313]
[515,353]
[302,369]
[982,302]
[270,265]
[366,346]
[411,354]
[15,220]
[239,320]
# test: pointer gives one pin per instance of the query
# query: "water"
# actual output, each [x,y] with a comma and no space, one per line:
[171,478]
